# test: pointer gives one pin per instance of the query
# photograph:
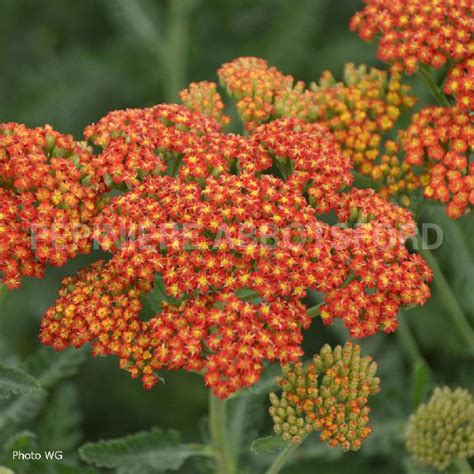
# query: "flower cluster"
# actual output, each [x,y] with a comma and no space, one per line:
[441,139]
[206,259]
[308,158]
[359,112]
[460,84]
[414,32]
[442,430]
[141,142]
[49,193]
[203,97]
[254,85]
[373,273]
[329,394]
[220,228]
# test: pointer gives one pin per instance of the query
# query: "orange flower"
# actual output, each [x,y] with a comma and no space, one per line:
[51,196]
[414,32]
[440,140]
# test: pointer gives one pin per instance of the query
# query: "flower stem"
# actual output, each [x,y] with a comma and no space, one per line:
[462,466]
[430,83]
[176,45]
[282,458]
[219,435]
[454,309]
[407,341]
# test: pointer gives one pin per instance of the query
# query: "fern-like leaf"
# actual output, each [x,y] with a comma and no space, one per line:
[142,453]
[59,426]
[49,366]
[15,382]
[21,409]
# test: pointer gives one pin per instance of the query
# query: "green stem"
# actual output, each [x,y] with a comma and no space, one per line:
[408,342]
[219,435]
[282,458]
[175,52]
[430,83]
[454,309]
[462,466]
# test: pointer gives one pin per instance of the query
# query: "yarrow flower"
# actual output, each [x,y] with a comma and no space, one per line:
[236,235]
[440,139]
[203,97]
[209,327]
[460,84]
[442,430]
[232,248]
[49,195]
[330,395]
[360,111]
[141,142]
[254,85]
[374,274]
[308,157]
[414,32]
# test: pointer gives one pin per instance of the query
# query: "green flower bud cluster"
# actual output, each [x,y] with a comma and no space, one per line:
[330,394]
[442,429]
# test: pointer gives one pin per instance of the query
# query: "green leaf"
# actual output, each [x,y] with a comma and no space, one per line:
[21,409]
[59,426]
[15,382]
[158,294]
[22,441]
[49,366]
[249,295]
[246,417]
[142,453]
[268,445]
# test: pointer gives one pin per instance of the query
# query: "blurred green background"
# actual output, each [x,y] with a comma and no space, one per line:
[69,62]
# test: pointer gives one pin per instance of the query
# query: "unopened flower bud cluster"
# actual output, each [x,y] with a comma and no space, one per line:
[329,395]
[442,429]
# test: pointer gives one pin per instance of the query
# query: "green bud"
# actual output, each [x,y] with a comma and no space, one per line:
[442,430]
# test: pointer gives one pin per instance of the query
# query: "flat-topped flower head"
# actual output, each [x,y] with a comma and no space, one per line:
[50,194]
[209,245]
[442,430]
[330,395]
[441,139]
[214,241]
[418,32]
[141,142]
[254,85]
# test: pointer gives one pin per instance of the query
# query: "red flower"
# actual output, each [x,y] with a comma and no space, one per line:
[410,32]
[440,139]
[52,194]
